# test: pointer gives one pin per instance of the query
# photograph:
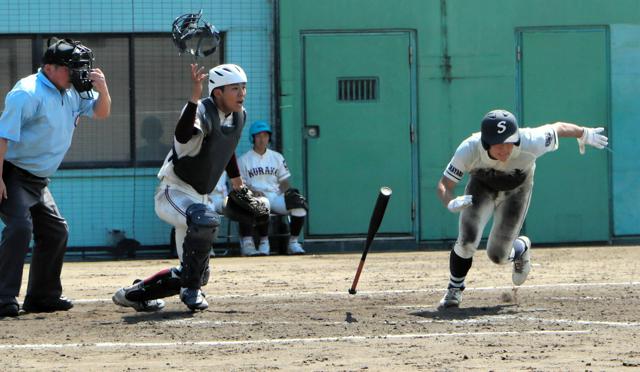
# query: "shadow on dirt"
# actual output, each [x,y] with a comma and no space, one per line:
[466,312]
[157,316]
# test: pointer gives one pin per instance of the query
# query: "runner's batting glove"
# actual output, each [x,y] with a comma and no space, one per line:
[592,137]
[460,203]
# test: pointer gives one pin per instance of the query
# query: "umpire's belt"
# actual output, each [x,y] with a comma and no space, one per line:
[8,166]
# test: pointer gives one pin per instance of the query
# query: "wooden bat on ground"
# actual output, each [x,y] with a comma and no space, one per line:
[374,224]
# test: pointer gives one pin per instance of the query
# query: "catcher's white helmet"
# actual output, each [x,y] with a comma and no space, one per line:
[227,74]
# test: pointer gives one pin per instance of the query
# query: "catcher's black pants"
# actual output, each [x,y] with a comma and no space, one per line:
[30,211]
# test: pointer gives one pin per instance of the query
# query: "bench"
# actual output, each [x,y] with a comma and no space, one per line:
[228,244]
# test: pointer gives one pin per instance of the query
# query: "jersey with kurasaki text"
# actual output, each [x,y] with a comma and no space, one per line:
[263,172]
[470,155]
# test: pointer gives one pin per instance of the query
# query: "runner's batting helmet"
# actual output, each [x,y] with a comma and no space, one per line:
[499,126]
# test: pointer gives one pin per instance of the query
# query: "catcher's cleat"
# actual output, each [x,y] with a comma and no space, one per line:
[522,264]
[193,298]
[119,298]
[452,298]
[295,248]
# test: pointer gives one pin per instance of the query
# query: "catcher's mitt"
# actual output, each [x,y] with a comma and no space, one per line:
[244,207]
[293,199]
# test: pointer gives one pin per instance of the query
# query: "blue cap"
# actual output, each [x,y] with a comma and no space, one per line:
[257,127]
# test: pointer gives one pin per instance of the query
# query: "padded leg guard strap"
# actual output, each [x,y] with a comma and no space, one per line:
[165,283]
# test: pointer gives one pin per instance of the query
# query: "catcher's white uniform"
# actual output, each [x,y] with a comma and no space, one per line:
[174,196]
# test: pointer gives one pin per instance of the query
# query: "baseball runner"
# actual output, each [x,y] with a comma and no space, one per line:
[206,136]
[266,174]
[501,163]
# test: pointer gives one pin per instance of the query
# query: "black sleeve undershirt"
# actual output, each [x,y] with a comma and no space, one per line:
[185,128]
[232,167]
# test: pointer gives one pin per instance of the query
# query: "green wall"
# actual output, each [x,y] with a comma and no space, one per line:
[466,65]
[625,113]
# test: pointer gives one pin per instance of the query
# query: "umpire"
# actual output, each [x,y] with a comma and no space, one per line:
[36,128]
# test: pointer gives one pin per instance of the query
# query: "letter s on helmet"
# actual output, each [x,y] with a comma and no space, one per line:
[222,75]
[258,127]
[499,126]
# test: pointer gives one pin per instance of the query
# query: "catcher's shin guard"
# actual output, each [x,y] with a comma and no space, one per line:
[206,273]
[165,283]
[202,223]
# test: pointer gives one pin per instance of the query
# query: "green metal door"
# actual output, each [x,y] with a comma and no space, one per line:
[564,76]
[357,100]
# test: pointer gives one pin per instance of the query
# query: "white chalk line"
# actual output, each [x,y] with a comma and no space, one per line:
[583,322]
[115,345]
[483,320]
[493,319]
[388,292]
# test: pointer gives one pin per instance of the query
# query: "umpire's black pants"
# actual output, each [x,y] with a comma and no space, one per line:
[30,211]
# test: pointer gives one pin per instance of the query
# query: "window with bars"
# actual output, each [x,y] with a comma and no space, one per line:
[357,89]
[148,83]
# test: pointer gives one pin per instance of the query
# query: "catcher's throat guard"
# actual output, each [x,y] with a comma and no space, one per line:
[192,35]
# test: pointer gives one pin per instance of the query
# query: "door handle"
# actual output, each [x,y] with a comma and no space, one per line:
[312,131]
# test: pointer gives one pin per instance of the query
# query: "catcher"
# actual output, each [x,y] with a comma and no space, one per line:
[266,173]
[501,161]
[206,137]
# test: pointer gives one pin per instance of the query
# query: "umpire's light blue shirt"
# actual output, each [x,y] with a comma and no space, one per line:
[38,121]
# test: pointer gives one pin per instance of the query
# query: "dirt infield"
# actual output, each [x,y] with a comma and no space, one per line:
[579,310]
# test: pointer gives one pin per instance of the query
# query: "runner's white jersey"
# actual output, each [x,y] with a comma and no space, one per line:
[263,172]
[470,155]
[191,148]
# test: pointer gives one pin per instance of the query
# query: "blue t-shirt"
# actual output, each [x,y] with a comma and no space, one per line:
[38,121]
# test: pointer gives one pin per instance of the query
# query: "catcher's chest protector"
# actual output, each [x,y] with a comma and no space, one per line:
[203,170]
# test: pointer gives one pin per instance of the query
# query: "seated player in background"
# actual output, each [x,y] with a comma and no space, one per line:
[266,174]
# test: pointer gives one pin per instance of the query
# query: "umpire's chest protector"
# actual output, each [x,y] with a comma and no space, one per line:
[203,170]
